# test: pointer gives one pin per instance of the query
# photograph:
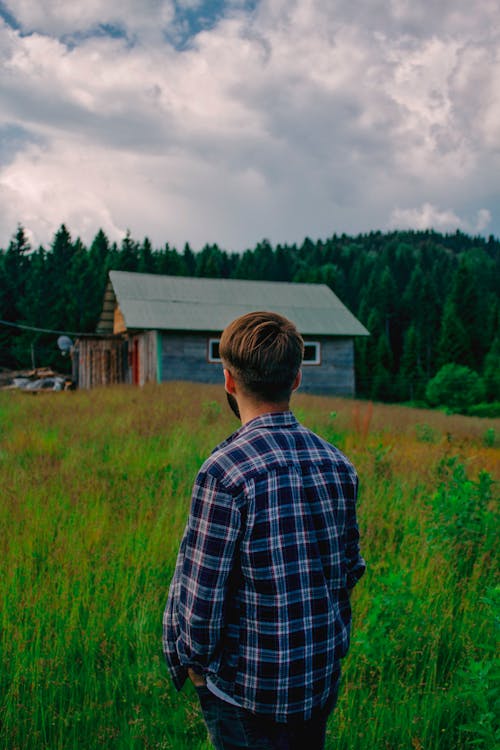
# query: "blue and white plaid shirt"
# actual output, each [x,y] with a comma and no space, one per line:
[259,599]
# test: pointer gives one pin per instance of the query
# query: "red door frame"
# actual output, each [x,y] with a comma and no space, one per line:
[135,362]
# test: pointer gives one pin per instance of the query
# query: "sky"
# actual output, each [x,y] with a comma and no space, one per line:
[234,121]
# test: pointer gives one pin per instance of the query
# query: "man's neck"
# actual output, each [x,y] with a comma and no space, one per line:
[250,409]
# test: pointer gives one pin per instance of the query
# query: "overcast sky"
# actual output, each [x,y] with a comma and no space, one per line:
[230,121]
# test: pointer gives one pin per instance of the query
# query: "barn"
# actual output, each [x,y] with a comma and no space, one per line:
[159,328]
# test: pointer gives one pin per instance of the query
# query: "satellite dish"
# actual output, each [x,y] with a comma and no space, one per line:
[65,345]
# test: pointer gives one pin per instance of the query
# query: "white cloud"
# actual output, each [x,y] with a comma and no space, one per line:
[60,17]
[302,117]
[483,220]
[428,216]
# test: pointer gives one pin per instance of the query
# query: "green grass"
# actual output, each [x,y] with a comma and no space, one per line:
[94,494]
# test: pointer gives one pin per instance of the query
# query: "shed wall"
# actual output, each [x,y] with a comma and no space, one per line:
[101,361]
[143,357]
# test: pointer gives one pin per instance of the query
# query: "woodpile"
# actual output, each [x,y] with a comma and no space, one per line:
[41,379]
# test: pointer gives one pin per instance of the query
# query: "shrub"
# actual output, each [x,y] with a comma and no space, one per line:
[490,437]
[456,387]
[491,410]
[463,519]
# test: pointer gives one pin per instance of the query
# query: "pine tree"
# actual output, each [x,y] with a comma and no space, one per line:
[453,345]
[411,373]
[189,260]
[58,267]
[491,372]
[384,386]
[13,277]
[129,254]
[146,262]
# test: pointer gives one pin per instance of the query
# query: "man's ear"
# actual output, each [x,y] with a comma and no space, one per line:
[229,383]
[297,381]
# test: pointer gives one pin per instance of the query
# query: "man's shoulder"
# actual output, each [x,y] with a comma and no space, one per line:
[252,451]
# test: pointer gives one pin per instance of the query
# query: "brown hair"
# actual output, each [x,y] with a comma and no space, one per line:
[263,351]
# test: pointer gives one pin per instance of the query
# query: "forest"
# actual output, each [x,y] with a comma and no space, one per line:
[429,300]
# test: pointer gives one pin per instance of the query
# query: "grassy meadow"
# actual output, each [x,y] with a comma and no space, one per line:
[94,494]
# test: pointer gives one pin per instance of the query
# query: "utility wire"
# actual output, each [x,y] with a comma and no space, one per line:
[50,330]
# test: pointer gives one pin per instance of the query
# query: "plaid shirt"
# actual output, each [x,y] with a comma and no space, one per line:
[259,599]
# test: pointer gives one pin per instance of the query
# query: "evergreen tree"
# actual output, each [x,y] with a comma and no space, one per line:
[366,355]
[146,261]
[384,386]
[421,307]
[464,301]
[189,260]
[411,374]
[211,262]
[13,277]
[170,263]
[245,268]
[58,268]
[453,344]
[129,254]
[264,262]
[100,264]
[81,315]
[491,373]
[35,309]
[284,264]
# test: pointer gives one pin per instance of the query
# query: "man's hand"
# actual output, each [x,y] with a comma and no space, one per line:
[197,679]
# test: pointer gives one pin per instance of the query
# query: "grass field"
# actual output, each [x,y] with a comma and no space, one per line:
[95,490]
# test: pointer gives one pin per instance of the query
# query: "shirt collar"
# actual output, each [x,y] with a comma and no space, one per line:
[275,419]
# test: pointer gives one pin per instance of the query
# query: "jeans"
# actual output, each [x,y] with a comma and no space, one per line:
[233,728]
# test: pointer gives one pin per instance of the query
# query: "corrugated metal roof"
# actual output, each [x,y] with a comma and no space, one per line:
[149,301]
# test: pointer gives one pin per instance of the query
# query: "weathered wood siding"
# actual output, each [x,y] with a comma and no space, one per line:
[142,347]
[335,374]
[185,357]
[100,361]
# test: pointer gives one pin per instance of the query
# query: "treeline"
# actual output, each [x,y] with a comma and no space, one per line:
[427,299]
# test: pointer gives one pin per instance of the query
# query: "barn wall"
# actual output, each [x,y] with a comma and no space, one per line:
[335,374]
[184,357]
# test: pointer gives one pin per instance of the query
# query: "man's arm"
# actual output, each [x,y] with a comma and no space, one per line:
[208,550]
[355,564]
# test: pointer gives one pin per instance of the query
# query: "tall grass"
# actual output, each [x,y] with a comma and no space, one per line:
[95,491]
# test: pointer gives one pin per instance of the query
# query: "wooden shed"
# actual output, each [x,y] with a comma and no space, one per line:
[159,328]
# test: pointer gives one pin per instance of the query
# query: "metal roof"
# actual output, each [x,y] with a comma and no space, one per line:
[180,303]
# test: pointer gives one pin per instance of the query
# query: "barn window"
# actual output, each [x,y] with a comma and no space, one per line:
[213,350]
[312,353]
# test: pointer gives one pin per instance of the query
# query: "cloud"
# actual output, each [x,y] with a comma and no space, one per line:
[59,17]
[282,118]
[483,220]
[428,216]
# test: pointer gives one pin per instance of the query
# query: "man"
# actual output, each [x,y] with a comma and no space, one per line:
[258,613]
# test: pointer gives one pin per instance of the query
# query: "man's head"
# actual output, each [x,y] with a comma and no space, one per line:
[263,352]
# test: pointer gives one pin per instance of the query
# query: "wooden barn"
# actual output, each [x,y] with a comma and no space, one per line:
[160,328]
